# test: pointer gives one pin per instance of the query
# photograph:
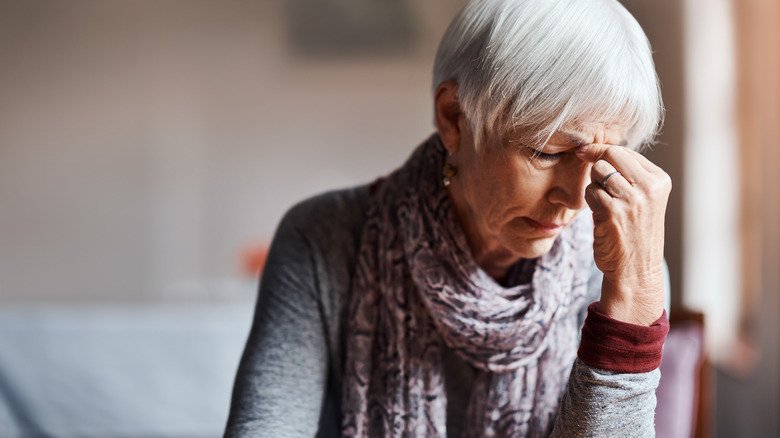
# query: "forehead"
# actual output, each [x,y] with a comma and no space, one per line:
[586,133]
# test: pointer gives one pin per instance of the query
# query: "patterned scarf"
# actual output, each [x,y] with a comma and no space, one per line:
[417,291]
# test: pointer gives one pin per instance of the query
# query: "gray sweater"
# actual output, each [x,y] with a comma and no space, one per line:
[289,380]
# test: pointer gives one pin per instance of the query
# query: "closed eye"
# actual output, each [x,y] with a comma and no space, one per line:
[541,156]
[547,157]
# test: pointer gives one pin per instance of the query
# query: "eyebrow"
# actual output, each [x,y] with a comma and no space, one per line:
[581,141]
[575,138]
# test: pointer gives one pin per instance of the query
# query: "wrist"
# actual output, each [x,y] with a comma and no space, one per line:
[634,302]
[632,314]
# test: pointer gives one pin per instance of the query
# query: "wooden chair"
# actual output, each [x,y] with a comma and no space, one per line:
[684,393]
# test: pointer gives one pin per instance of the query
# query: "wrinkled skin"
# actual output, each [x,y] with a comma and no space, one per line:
[504,191]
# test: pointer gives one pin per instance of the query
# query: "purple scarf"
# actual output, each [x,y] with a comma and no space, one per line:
[417,291]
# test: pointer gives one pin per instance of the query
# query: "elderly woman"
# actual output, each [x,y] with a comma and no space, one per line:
[472,292]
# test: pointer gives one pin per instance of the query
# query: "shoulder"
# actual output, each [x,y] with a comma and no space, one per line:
[294,341]
[328,219]
[316,245]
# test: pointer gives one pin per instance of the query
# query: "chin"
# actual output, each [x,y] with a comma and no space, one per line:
[527,242]
[531,249]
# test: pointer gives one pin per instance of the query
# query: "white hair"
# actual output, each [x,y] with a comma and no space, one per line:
[536,66]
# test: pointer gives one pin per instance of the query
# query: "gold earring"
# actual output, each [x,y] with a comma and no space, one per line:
[448,171]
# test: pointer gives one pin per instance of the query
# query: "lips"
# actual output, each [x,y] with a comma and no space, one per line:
[543,225]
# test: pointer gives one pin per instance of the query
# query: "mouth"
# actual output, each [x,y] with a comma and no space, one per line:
[544,226]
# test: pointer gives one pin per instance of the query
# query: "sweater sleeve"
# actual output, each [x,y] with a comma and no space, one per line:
[611,388]
[282,375]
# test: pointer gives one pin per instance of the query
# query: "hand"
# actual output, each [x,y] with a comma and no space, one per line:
[628,214]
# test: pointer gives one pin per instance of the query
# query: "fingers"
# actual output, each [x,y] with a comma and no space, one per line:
[620,157]
[599,201]
[616,185]
[645,162]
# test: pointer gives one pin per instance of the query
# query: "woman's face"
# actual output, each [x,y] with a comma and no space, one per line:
[515,202]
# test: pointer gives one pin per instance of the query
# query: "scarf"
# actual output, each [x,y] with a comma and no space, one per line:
[416,291]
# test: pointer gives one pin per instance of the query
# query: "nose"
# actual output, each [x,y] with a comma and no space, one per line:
[569,183]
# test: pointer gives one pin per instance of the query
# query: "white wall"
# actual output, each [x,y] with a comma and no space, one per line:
[143,143]
[712,247]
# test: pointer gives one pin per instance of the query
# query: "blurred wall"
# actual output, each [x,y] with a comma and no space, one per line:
[143,143]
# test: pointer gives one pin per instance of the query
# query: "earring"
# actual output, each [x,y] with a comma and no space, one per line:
[448,171]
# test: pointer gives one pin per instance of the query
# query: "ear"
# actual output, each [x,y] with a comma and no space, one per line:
[448,115]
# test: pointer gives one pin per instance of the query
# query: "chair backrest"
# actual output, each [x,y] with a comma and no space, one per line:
[683,392]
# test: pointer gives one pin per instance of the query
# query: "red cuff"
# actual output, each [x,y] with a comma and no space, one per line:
[614,345]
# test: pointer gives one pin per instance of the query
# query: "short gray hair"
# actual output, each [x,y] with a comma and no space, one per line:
[536,66]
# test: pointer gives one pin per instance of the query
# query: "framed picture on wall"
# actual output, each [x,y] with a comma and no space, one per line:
[352,28]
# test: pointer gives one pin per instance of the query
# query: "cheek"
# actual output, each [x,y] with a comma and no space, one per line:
[502,190]
[526,187]
[513,191]
[534,189]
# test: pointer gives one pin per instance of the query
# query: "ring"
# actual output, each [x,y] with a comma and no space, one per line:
[606,178]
